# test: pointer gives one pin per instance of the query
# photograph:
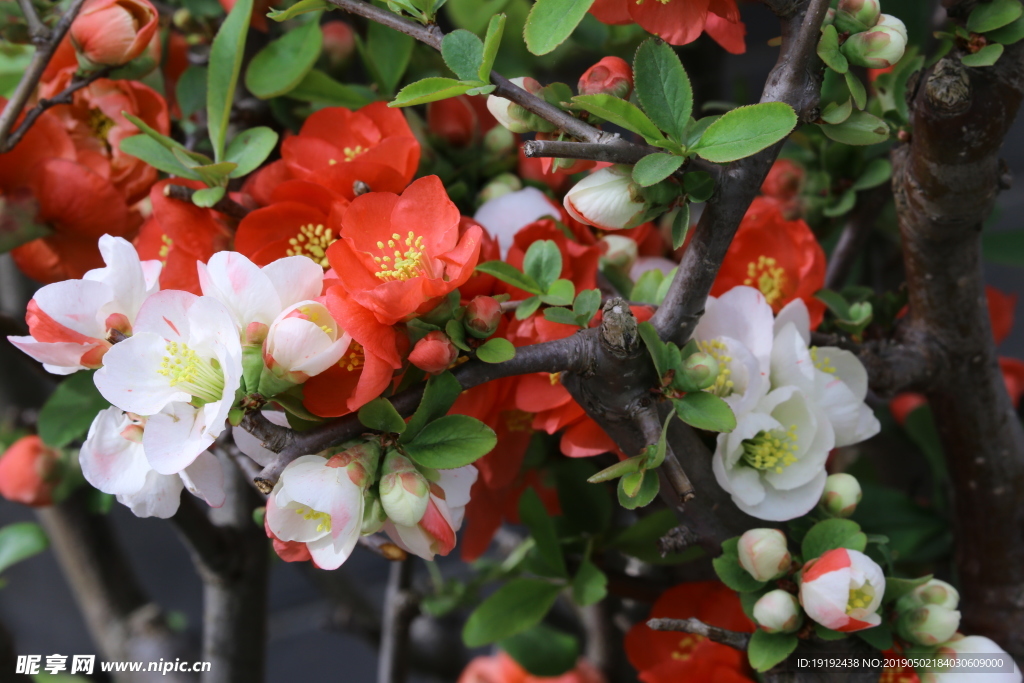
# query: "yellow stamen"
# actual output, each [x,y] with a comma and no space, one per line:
[354,359]
[352,152]
[412,263]
[555,377]
[860,598]
[518,420]
[768,277]
[716,348]
[687,644]
[823,363]
[312,241]
[772,450]
[310,514]
[201,378]
[99,123]
[165,248]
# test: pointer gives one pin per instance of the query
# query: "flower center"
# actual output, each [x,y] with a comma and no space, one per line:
[310,515]
[316,315]
[822,362]
[312,241]
[860,598]
[350,154]
[354,359]
[771,450]
[768,277]
[99,123]
[554,377]
[201,378]
[165,248]
[717,349]
[518,420]
[687,644]
[403,265]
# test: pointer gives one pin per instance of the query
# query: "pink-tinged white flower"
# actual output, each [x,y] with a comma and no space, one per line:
[72,323]
[435,533]
[833,378]
[304,341]
[181,369]
[773,463]
[736,330]
[778,611]
[318,503]
[842,590]
[259,295]
[973,647]
[607,199]
[114,461]
[506,215]
[764,553]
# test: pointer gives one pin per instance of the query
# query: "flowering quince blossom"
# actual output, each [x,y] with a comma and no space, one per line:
[303,341]
[28,472]
[501,668]
[113,460]
[435,532]
[970,647]
[181,368]
[842,590]
[71,323]
[505,216]
[679,22]
[113,32]
[608,199]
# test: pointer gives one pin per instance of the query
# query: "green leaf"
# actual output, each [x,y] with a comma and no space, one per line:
[543,264]
[657,348]
[543,650]
[169,143]
[558,314]
[645,493]
[463,52]
[731,572]
[542,529]
[640,539]
[831,534]
[528,307]
[879,637]
[208,196]
[699,185]
[283,63]
[429,90]
[896,588]
[380,414]
[301,7]
[846,201]
[249,149]
[492,41]
[586,305]
[70,410]
[745,131]
[191,91]
[496,350]
[765,650]
[513,608]
[828,50]
[1009,34]
[988,16]
[438,397]
[878,171]
[590,585]
[705,411]
[681,226]
[826,633]
[156,155]
[319,88]
[837,113]
[620,112]
[1006,247]
[861,128]
[386,55]
[551,22]
[663,88]
[646,288]
[20,541]
[986,56]
[560,293]
[835,302]
[857,91]
[654,168]
[451,441]
[473,15]
[225,65]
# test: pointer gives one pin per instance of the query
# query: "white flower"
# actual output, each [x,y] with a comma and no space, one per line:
[971,647]
[303,341]
[320,505]
[773,463]
[763,553]
[70,323]
[435,533]
[607,199]
[181,368]
[114,461]
[508,214]
[842,590]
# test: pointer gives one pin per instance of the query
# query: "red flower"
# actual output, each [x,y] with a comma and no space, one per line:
[434,353]
[27,471]
[679,22]
[670,657]
[338,147]
[1013,376]
[1000,310]
[398,254]
[113,32]
[461,120]
[501,668]
[783,185]
[902,405]
[611,75]
[780,258]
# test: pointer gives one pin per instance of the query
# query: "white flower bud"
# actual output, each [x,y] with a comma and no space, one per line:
[889,21]
[622,251]
[841,495]
[928,625]
[764,554]
[857,15]
[404,492]
[778,612]
[607,199]
[934,592]
[500,107]
[876,48]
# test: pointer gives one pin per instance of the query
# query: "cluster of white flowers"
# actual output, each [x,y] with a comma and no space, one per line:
[793,402]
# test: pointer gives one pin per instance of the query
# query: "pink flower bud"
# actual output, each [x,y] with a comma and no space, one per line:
[841,495]
[607,199]
[113,32]
[483,315]
[27,472]
[842,590]
[877,48]
[610,76]
[404,492]
[361,461]
[933,592]
[857,15]
[928,625]
[764,554]
[339,42]
[507,113]
[434,353]
[778,612]
[889,21]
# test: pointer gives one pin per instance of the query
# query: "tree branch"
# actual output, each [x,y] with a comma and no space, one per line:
[733,639]
[36,28]
[650,426]
[854,235]
[226,206]
[401,606]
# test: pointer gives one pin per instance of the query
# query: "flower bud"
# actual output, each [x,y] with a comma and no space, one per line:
[499,141]
[933,592]
[404,492]
[699,371]
[878,48]
[764,554]
[622,251]
[483,315]
[778,612]
[610,76]
[113,32]
[928,625]
[434,353]
[830,17]
[361,460]
[27,472]
[889,21]
[607,199]
[841,495]
[373,513]
[339,42]
[506,112]
[501,185]
[842,590]
[857,15]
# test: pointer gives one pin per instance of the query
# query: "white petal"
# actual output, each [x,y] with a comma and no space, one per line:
[59,358]
[295,278]
[287,520]
[825,598]
[205,478]
[508,214]
[175,437]
[76,305]
[110,462]
[294,343]
[411,539]
[130,377]
[791,360]
[158,498]
[166,314]
[330,552]
[779,506]
[457,484]
[795,312]
[241,286]
[123,274]
[848,368]
[743,314]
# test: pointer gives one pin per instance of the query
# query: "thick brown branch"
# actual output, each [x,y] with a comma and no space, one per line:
[401,606]
[226,206]
[733,639]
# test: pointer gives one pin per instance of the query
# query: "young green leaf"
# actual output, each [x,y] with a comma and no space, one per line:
[438,397]
[542,529]
[552,21]
[586,305]
[301,7]
[429,90]
[249,149]
[699,185]
[835,302]
[169,143]
[511,275]
[191,91]
[463,53]
[156,155]
[681,226]
[657,348]
[831,534]
[663,87]
[451,441]
[225,66]
[560,293]
[654,168]
[543,263]
[621,113]
[590,585]
[283,63]
[857,91]
[528,307]
[986,56]
[705,411]
[380,415]
[386,54]
[1009,34]
[765,650]
[745,131]
[68,413]
[837,113]
[731,572]
[513,608]
[861,128]
[20,541]
[558,314]
[643,494]
[496,350]
[896,588]
[989,16]
[875,173]
[543,651]
[319,88]
[208,196]
[879,637]
[828,50]
[492,41]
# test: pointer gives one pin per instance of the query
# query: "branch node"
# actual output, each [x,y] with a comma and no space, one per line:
[677,540]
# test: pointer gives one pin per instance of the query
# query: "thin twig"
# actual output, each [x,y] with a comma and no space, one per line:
[733,639]
[401,606]
[616,152]
[30,79]
[36,28]
[650,427]
[65,96]
[226,206]
[854,235]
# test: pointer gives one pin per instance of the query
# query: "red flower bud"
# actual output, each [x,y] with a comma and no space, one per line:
[611,76]
[26,472]
[339,42]
[434,353]
[113,32]
[483,314]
